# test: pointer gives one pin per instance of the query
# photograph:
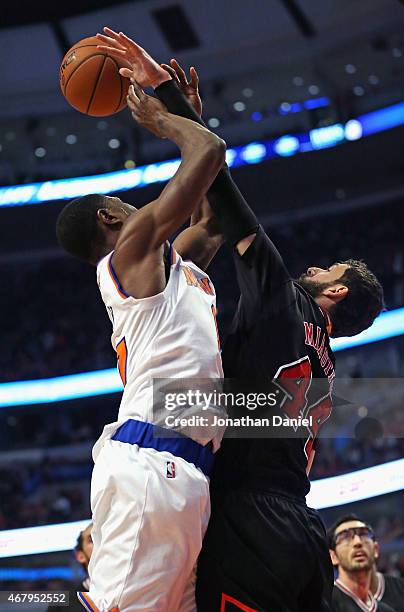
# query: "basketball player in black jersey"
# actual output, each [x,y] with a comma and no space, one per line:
[354,551]
[265,550]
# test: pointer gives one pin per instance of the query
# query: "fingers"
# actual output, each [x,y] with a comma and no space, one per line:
[181,76]
[119,53]
[135,94]
[132,100]
[179,71]
[111,32]
[138,90]
[171,72]
[126,72]
[194,77]
[119,40]
[108,41]
[128,43]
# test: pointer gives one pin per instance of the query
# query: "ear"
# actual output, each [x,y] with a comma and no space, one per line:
[334,558]
[377,550]
[108,217]
[336,293]
[80,557]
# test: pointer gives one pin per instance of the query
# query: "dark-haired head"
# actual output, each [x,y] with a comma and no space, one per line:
[353,546]
[347,518]
[88,227]
[84,546]
[349,292]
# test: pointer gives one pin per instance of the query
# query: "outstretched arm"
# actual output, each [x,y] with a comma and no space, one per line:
[237,220]
[202,154]
[260,269]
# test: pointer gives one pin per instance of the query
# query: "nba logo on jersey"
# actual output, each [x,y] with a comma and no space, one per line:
[170,469]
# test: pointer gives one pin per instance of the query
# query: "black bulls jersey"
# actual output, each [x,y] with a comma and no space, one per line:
[278,332]
[391,591]
[345,601]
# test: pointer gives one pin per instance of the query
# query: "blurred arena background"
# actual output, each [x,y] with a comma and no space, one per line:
[309,96]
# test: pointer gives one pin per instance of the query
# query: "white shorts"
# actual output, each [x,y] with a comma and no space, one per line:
[150,513]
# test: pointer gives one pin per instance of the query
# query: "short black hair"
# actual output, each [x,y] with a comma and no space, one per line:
[79,542]
[342,519]
[363,303]
[77,229]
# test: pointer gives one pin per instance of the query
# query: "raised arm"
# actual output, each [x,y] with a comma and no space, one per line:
[202,154]
[261,271]
[237,220]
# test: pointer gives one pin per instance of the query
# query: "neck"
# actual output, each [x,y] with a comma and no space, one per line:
[358,582]
[374,580]
[103,251]
[328,324]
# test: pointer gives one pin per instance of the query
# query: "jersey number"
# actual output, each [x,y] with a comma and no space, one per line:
[122,355]
[295,382]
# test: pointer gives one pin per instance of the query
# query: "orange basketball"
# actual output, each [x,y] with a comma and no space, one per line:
[90,79]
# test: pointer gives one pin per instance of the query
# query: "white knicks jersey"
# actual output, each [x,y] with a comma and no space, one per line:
[169,335]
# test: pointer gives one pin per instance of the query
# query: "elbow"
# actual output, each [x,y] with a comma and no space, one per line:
[216,149]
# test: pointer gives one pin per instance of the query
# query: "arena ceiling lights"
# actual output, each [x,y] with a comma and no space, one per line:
[253,153]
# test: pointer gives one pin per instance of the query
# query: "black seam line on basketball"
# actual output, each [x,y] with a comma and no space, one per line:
[96,83]
[120,83]
[81,63]
[83,60]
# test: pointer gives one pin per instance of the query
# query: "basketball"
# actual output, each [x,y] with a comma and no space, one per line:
[90,80]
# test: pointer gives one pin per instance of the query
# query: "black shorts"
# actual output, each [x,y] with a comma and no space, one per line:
[264,552]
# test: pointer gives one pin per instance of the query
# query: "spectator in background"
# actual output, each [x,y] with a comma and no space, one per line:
[82,552]
[354,551]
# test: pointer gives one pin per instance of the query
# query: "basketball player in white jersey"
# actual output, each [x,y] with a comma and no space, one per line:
[150,494]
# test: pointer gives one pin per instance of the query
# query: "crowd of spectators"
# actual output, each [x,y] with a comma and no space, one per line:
[54,322]
[340,456]
[53,490]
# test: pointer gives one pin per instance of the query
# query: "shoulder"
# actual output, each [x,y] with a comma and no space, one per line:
[397,580]
[383,607]
[394,582]
[339,600]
